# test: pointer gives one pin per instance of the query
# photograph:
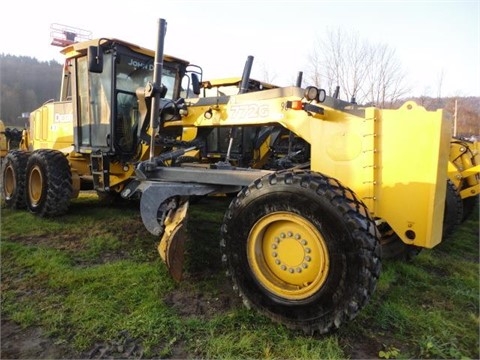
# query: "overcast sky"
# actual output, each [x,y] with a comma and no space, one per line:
[430,38]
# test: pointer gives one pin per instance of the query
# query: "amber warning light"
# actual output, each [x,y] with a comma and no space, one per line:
[295,105]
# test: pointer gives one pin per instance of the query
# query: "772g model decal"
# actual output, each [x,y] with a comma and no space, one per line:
[249,111]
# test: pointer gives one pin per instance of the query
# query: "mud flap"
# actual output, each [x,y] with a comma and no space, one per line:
[172,244]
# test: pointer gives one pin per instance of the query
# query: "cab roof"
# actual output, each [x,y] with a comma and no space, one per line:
[80,48]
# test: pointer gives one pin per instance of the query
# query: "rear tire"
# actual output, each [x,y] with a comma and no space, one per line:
[469,204]
[48,183]
[453,214]
[13,173]
[301,249]
[393,248]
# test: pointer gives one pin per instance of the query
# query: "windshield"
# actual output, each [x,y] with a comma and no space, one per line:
[133,73]
[108,112]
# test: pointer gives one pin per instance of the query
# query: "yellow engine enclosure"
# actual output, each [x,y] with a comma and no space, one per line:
[394,160]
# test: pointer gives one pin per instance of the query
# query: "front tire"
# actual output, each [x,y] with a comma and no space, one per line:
[48,183]
[301,249]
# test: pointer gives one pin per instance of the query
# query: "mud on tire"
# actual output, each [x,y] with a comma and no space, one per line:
[48,183]
[319,274]
[13,179]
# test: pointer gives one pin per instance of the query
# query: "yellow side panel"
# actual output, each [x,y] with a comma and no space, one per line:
[343,147]
[394,160]
[412,172]
[52,126]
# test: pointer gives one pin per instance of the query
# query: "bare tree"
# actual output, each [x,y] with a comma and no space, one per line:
[314,62]
[385,77]
[440,77]
[267,75]
[368,72]
[356,55]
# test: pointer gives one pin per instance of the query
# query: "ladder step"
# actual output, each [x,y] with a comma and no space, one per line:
[100,171]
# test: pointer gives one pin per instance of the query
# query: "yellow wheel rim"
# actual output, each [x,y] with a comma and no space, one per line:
[9,179]
[288,255]
[35,185]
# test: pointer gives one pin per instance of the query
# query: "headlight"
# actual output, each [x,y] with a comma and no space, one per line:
[313,93]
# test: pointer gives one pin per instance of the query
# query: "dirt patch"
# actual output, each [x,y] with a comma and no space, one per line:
[189,302]
[134,239]
[197,305]
[59,241]
[31,343]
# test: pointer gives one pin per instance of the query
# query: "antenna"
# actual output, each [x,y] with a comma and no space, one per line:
[63,35]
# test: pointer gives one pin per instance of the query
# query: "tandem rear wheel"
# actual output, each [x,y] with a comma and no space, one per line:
[13,179]
[48,183]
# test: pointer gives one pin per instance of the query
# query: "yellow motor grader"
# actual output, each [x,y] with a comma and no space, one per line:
[302,244]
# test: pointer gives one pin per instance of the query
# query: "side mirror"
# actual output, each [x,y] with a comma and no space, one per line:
[163,91]
[195,84]
[95,59]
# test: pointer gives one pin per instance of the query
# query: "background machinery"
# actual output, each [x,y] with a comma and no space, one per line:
[302,242]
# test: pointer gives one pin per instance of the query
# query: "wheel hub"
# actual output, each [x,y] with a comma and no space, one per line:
[9,182]
[35,185]
[290,252]
[288,255]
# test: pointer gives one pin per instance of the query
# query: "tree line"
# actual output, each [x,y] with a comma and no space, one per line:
[27,83]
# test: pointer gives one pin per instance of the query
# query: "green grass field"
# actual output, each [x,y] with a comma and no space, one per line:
[94,283]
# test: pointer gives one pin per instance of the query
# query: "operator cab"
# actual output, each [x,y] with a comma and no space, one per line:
[108,73]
